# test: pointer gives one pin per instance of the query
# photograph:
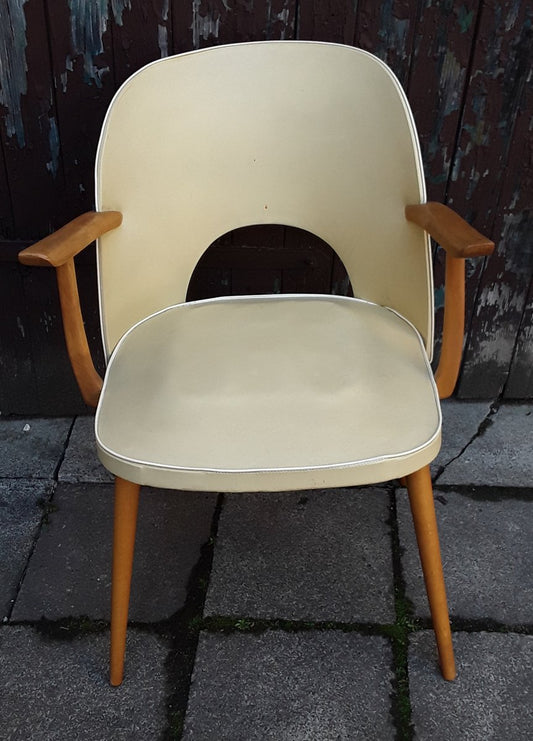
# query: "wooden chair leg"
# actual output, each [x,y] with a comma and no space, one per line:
[423,510]
[125,522]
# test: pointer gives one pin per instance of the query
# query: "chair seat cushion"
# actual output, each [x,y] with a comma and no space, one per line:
[259,393]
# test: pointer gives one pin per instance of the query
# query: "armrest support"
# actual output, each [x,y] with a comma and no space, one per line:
[58,251]
[453,233]
[57,248]
[460,240]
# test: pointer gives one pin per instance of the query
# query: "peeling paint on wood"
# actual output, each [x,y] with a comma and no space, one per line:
[89,20]
[53,139]
[466,67]
[13,67]
[495,182]
[205,26]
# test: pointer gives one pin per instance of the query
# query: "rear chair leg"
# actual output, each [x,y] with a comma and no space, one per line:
[423,511]
[125,522]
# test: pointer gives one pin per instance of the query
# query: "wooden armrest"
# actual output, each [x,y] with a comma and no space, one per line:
[453,233]
[460,240]
[63,245]
[58,251]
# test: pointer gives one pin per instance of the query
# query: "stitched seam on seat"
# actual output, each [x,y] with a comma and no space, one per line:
[261,471]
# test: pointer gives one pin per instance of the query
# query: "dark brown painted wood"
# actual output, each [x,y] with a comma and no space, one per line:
[464,66]
[7,229]
[84,85]
[211,22]
[18,385]
[387,29]
[141,34]
[520,380]
[313,271]
[327,20]
[437,81]
[29,131]
[495,182]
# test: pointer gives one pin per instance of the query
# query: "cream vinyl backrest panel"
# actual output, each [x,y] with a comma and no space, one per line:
[306,134]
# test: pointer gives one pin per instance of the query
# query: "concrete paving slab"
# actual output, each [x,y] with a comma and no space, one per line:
[501,456]
[308,555]
[487,548]
[460,422]
[70,571]
[20,515]
[58,690]
[491,697]
[290,687]
[32,448]
[81,462]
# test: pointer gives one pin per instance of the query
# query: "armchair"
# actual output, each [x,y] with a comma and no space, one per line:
[277,392]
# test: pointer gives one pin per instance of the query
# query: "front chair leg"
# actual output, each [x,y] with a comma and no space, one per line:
[125,522]
[423,511]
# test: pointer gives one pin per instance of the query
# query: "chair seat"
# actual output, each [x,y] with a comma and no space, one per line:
[266,393]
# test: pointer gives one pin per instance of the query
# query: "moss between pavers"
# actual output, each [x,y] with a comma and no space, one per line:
[404,624]
[182,630]
[67,629]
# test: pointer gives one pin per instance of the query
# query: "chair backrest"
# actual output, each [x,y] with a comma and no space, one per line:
[306,134]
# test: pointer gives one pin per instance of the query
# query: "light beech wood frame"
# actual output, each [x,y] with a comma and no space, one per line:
[459,240]
[58,251]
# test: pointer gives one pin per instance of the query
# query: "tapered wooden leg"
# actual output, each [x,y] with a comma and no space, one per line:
[423,511]
[125,522]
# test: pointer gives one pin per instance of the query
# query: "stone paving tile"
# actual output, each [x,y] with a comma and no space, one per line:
[487,550]
[501,456]
[20,515]
[81,462]
[491,699]
[460,422]
[319,555]
[70,571]
[32,448]
[58,690]
[290,687]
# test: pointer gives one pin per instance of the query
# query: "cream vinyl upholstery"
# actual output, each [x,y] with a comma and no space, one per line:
[272,393]
[268,393]
[307,134]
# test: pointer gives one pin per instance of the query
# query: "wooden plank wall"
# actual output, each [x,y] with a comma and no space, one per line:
[467,70]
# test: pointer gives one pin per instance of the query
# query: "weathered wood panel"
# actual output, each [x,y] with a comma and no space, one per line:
[264,259]
[520,380]
[29,134]
[328,20]
[141,32]
[387,29]
[492,181]
[436,88]
[7,229]
[467,70]
[204,23]
[82,59]
[18,384]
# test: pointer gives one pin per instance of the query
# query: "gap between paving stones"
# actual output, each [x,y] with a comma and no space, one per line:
[482,428]
[183,629]
[65,446]
[488,493]
[47,507]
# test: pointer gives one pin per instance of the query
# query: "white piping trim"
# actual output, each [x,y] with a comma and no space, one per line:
[269,297]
